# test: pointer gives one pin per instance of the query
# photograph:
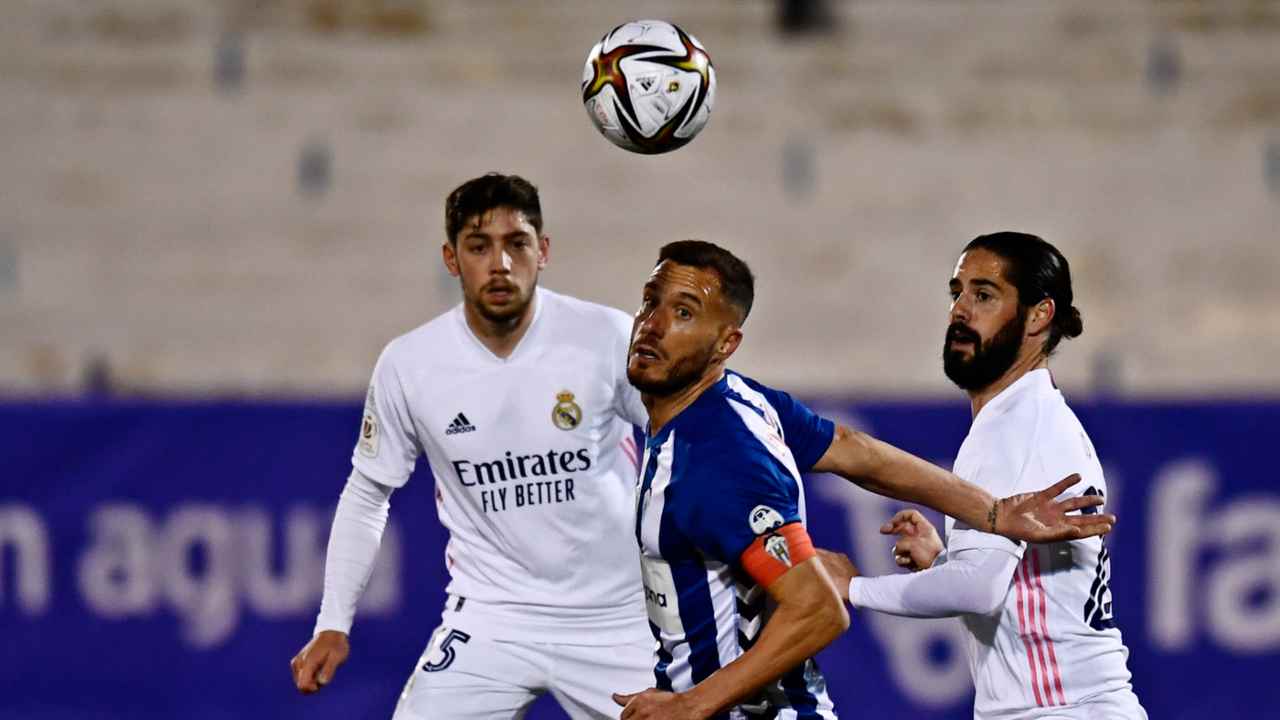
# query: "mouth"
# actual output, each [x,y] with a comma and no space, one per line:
[500,292]
[957,338]
[646,352]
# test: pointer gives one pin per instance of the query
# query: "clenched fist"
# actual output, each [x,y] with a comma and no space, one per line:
[653,704]
[840,568]
[314,665]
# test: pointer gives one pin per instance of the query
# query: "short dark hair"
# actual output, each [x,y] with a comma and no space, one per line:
[478,196]
[1039,271]
[736,281]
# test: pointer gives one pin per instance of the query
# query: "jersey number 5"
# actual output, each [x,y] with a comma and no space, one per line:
[447,651]
[1097,609]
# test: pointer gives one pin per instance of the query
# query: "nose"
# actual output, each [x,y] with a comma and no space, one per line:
[652,323]
[499,261]
[961,309]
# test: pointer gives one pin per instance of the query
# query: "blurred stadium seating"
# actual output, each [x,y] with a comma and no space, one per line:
[154,217]
[214,213]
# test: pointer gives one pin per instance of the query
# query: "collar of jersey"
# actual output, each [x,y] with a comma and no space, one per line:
[1035,382]
[539,302]
[689,414]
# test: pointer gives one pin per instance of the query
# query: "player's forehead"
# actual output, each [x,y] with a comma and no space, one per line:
[497,222]
[979,264]
[672,277]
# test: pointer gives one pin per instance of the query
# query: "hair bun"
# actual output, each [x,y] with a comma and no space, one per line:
[1072,324]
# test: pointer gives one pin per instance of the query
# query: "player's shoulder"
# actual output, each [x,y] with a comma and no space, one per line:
[728,435]
[1020,409]
[718,414]
[1062,437]
[1006,431]
[716,468]
[1037,429]
[1056,415]
[583,315]
[774,408]
[753,392]
[423,342]
[1046,413]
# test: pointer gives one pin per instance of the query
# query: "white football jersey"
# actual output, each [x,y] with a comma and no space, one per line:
[535,466]
[1053,644]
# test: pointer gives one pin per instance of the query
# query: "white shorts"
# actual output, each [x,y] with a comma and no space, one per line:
[464,676]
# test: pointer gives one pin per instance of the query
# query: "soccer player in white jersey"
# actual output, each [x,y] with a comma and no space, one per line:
[720,507]
[519,400]
[1042,642]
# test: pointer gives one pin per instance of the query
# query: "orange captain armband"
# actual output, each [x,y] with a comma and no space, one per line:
[771,555]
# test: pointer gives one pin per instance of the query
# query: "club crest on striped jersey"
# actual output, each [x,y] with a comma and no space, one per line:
[763,519]
[777,547]
[566,414]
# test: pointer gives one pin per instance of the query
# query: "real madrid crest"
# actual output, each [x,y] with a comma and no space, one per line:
[566,414]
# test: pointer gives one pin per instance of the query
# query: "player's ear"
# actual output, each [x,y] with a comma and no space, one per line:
[730,339]
[1041,317]
[450,253]
[544,250]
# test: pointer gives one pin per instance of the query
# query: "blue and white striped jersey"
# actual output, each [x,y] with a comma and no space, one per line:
[722,472]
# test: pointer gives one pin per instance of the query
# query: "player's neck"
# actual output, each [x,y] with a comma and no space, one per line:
[664,409]
[1035,360]
[500,337]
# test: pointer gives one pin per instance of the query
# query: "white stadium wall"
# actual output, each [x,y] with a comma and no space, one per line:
[268,232]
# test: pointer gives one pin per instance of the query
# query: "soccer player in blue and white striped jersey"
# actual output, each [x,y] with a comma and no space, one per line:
[736,598]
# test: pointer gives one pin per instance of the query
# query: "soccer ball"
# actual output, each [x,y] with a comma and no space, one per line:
[648,86]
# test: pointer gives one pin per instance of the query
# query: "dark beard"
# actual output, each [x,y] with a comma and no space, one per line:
[990,360]
[684,372]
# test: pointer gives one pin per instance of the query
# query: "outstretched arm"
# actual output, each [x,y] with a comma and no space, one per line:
[1034,517]
[973,581]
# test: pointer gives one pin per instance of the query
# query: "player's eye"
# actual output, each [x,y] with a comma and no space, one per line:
[955,295]
[683,313]
[983,296]
[520,243]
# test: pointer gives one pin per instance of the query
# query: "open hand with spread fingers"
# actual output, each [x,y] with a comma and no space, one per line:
[1039,517]
[918,542]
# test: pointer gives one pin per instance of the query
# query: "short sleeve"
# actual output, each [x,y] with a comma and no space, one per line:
[626,398]
[807,434]
[742,498]
[388,446]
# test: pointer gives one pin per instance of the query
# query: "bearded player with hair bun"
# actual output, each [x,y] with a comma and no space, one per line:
[1042,640]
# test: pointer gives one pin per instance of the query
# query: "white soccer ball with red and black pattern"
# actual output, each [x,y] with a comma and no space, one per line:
[648,86]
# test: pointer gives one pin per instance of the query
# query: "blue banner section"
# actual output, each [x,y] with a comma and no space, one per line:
[162,560]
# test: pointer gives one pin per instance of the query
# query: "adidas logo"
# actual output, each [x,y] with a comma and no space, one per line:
[460,424]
